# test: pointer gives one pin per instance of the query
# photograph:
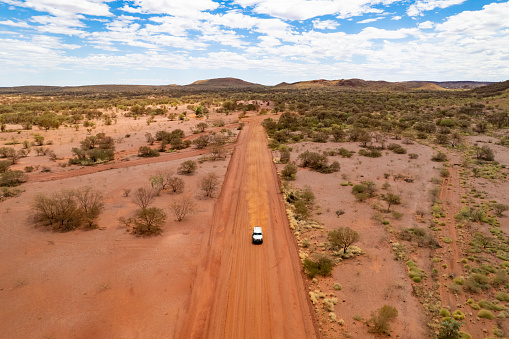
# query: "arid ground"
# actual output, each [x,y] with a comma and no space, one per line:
[439,252]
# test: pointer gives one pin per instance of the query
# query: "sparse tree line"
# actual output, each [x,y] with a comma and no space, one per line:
[70,209]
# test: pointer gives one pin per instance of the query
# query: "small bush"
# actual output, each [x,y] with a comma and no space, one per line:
[380,319]
[415,272]
[458,315]
[488,305]
[413,155]
[439,157]
[4,165]
[444,173]
[188,167]
[445,312]
[502,296]
[322,265]
[12,178]
[145,151]
[148,221]
[477,282]
[486,314]
[371,153]
[289,172]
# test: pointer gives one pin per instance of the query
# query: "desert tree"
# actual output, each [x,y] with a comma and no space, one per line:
[60,211]
[342,238]
[188,167]
[161,180]
[209,184]
[144,196]
[148,221]
[182,207]
[392,199]
[176,184]
[499,209]
[484,153]
[201,142]
[91,203]
[202,126]
[150,138]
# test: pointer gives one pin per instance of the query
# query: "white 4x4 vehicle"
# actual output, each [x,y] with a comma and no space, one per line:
[257,235]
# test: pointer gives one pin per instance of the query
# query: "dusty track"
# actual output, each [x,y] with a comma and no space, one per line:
[243,290]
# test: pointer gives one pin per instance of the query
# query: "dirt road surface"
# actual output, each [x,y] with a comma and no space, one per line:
[243,290]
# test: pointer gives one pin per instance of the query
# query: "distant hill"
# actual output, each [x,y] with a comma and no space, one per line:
[223,82]
[385,85]
[496,88]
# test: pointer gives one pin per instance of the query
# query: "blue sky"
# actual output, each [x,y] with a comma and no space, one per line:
[159,42]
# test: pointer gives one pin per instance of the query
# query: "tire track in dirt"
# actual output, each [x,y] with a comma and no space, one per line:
[243,290]
[451,253]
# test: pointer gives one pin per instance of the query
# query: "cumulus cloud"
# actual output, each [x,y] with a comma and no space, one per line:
[491,20]
[11,23]
[367,21]
[427,5]
[307,9]
[325,24]
[65,7]
[172,7]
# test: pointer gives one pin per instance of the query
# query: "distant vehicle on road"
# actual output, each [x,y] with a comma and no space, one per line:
[257,235]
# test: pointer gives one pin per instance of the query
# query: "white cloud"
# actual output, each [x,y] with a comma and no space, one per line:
[426,25]
[172,7]
[428,5]
[325,24]
[11,23]
[307,9]
[397,17]
[367,21]
[59,25]
[65,7]
[491,20]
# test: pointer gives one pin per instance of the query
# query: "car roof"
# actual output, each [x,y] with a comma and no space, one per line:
[257,228]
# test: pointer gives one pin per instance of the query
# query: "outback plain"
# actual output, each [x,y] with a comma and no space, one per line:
[128,211]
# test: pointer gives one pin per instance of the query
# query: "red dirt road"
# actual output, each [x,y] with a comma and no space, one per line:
[243,290]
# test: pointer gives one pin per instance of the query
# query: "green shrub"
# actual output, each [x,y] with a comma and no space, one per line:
[359,189]
[4,165]
[439,157]
[502,296]
[321,265]
[289,172]
[449,329]
[148,221]
[415,272]
[486,314]
[11,178]
[371,153]
[188,167]
[380,319]
[459,280]
[488,305]
[445,312]
[146,151]
[458,315]
[476,282]
[361,196]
